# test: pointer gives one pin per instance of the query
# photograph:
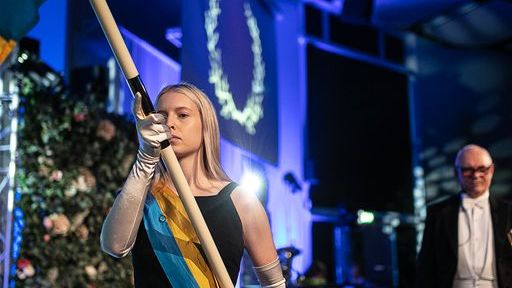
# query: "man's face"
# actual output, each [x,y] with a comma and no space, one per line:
[474,171]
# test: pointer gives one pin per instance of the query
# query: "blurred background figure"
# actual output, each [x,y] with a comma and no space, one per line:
[315,276]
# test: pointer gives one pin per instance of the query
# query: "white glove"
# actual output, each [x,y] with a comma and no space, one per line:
[119,230]
[121,225]
[151,129]
[270,275]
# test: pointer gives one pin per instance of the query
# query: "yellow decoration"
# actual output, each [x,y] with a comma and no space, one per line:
[6,47]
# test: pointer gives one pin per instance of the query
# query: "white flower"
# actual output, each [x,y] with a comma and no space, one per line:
[21,275]
[53,273]
[56,175]
[80,183]
[89,179]
[61,224]
[82,232]
[102,268]
[29,271]
[47,223]
[78,219]
[106,130]
[70,191]
[90,270]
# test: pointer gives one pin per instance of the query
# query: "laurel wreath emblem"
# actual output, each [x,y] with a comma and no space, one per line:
[249,116]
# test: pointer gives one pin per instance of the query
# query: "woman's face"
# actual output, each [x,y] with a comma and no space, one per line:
[184,121]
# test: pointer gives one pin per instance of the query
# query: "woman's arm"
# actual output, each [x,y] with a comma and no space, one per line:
[120,227]
[258,238]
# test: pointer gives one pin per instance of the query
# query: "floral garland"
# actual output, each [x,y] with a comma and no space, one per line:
[73,157]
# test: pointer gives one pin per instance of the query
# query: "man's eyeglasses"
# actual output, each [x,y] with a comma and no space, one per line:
[469,171]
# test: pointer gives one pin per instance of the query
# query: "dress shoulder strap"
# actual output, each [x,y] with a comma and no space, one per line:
[226,191]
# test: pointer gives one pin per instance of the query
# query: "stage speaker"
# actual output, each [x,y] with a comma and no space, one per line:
[323,247]
[387,256]
[375,258]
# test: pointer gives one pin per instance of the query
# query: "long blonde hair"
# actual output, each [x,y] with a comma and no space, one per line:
[210,146]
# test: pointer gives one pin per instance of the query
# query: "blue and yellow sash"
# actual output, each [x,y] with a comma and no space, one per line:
[174,240]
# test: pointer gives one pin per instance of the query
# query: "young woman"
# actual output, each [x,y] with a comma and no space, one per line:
[148,219]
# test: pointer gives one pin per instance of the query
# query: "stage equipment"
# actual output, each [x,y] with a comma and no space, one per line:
[286,255]
[365,217]
[388,247]
[9,99]
[124,60]
[174,36]
[292,182]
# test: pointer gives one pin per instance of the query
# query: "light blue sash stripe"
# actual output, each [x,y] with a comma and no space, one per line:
[165,246]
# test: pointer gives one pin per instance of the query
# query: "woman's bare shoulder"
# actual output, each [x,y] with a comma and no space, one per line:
[246,203]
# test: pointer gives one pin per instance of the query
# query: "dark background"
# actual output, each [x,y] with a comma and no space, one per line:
[358,134]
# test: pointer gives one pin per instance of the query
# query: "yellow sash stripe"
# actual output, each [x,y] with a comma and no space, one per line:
[184,233]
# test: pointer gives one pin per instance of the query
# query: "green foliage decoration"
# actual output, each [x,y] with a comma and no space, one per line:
[72,159]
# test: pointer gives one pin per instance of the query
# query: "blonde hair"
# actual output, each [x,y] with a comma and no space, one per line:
[210,146]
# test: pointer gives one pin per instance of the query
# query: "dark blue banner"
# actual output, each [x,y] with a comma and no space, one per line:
[229,52]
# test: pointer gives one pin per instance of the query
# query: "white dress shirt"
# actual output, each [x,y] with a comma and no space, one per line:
[476,265]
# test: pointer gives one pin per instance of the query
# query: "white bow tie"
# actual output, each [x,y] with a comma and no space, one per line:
[469,203]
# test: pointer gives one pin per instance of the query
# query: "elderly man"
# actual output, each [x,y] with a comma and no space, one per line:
[467,239]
